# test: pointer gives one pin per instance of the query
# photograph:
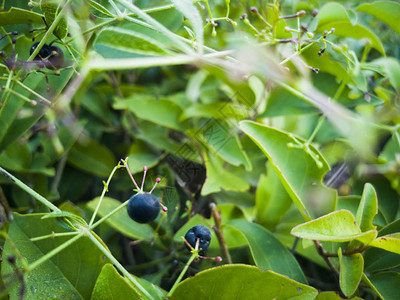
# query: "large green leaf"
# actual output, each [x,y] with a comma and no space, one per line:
[55,277]
[268,252]
[241,282]
[272,200]
[190,11]
[111,285]
[333,296]
[90,156]
[367,209]
[387,284]
[161,111]
[351,270]
[218,178]
[346,29]
[119,42]
[297,169]
[390,242]
[217,136]
[19,16]
[386,11]
[332,12]
[386,66]
[120,221]
[338,226]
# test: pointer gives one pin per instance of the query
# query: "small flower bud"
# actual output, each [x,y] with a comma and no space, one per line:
[314,12]
[254,10]
[301,13]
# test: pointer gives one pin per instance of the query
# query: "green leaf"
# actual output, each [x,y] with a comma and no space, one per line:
[140,155]
[120,221]
[387,284]
[333,296]
[88,155]
[217,137]
[386,11]
[218,178]
[272,200]
[367,209]
[332,12]
[111,285]
[351,270]
[65,214]
[100,8]
[241,282]
[51,10]
[338,226]
[54,278]
[118,42]
[190,11]
[386,66]
[390,242]
[346,29]
[217,110]
[297,169]
[268,252]
[19,16]
[162,111]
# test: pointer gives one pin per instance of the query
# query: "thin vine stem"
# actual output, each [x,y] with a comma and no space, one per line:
[30,191]
[118,265]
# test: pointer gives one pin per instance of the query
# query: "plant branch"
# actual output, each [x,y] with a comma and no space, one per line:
[29,190]
[220,234]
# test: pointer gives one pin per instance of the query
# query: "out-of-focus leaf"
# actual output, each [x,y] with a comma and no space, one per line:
[346,29]
[162,111]
[122,43]
[90,156]
[338,226]
[351,270]
[241,282]
[190,11]
[19,16]
[268,252]
[333,296]
[386,11]
[386,66]
[297,169]
[332,12]
[387,284]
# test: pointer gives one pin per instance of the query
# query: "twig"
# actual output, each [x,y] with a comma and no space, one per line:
[220,234]
[324,255]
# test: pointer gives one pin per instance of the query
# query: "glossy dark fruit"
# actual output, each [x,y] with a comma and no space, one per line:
[51,56]
[143,208]
[199,232]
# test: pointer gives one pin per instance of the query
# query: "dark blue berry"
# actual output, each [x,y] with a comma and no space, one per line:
[52,56]
[143,208]
[199,232]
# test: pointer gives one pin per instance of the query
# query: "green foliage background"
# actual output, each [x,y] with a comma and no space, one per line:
[284,114]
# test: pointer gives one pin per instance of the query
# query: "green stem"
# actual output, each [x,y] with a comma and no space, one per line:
[108,215]
[55,251]
[52,235]
[141,14]
[316,129]
[105,189]
[49,32]
[29,190]
[118,265]
[178,280]
[32,92]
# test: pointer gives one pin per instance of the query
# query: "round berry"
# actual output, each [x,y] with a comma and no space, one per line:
[52,56]
[143,208]
[199,232]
